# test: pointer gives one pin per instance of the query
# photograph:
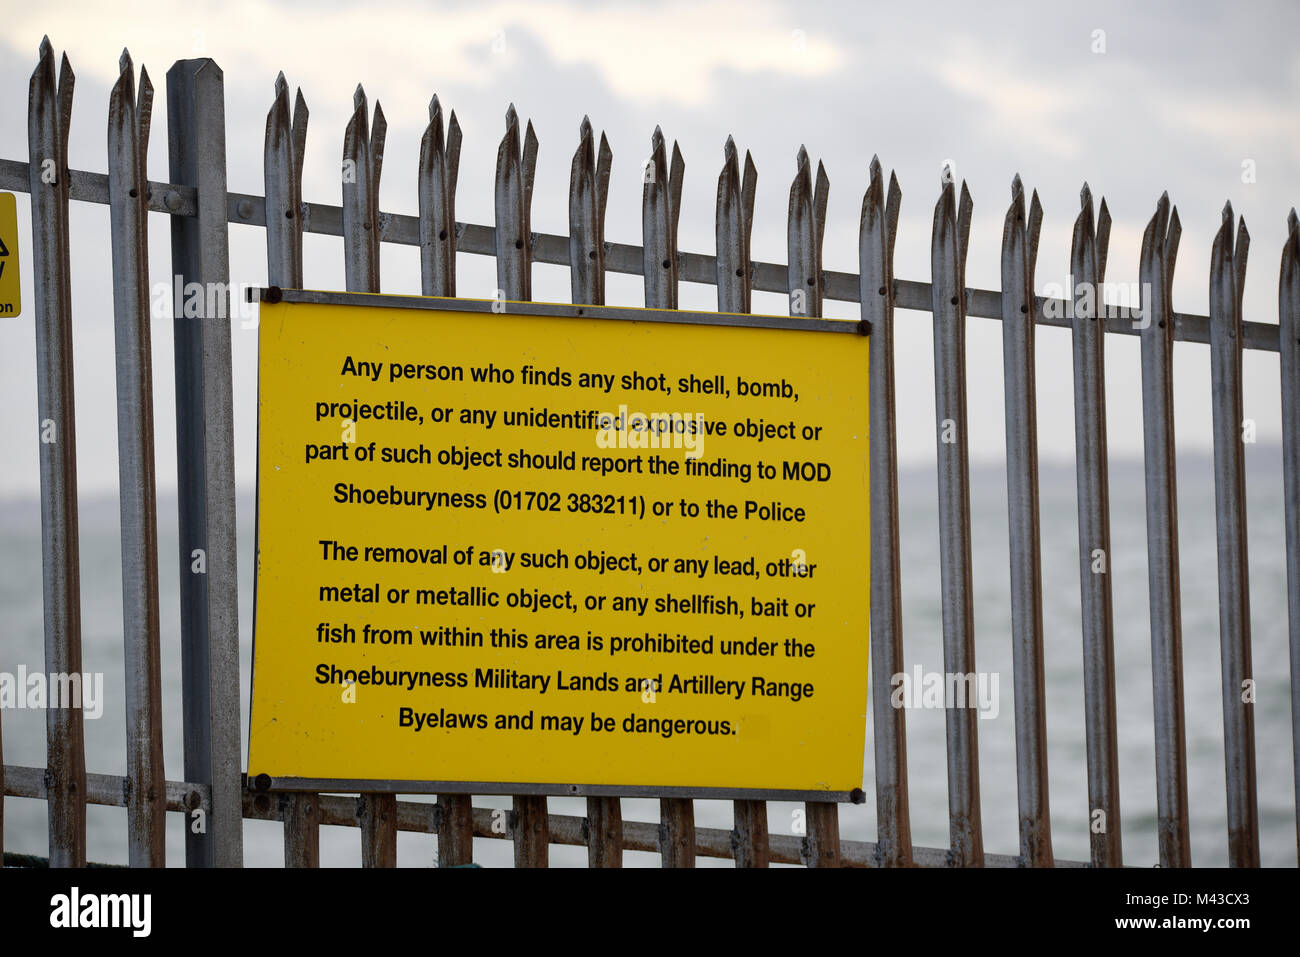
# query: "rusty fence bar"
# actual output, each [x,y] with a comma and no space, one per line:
[201,208]
[588,195]
[516,165]
[417,817]
[734,226]
[805,229]
[1088,269]
[1019,254]
[286,140]
[877,230]
[1227,275]
[436,186]
[1159,251]
[128,140]
[1288,296]
[661,199]
[49,114]
[363,157]
[948,259]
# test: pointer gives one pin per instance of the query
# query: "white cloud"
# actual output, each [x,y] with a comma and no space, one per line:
[641,52]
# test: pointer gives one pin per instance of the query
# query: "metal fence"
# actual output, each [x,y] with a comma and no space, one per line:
[200,209]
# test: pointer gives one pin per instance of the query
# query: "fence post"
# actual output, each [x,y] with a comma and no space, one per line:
[1227,281]
[512,200]
[1088,269]
[1159,251]
[49,112]
[363,157]
[436,187]
[805,228]
[661,200]
[1288,298]
[196,134]
[877,230]
[128,186]
[750,843]
[286,138]
[301,816]
[948,304]
[1019,255]
[588,193]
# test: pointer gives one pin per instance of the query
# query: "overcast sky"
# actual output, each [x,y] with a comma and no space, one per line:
[1181,97]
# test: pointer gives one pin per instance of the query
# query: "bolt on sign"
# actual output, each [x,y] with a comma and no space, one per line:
[558,549]
[11,303]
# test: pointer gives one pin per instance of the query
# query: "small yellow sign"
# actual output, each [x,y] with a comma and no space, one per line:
[11,300]
[558,551]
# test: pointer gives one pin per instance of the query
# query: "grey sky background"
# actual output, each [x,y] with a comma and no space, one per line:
[1183,95]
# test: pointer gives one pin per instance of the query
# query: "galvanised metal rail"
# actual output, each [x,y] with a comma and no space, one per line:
[201,209]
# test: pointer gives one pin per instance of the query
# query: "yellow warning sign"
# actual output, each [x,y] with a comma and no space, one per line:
[11,300]
[560,551]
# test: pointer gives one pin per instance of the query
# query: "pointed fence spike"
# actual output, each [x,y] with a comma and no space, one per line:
[604,164]
[963,229]
[1035,226]
[748,187]
[820,198]
[1239,261]
[1102,238]
[1171,242]
[144,114]
[892,206]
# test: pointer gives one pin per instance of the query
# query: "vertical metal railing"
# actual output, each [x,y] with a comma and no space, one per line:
[1087,271]
[948,299]
[516,165]
[588,195]
[805,229]
[128,186]
[1227,277]
[1159,251]
[48,117]
[877,231]
[285,143]
[363,160]
[1288,297]
[436,186]
[1019,254]
[661,200]
[734,216]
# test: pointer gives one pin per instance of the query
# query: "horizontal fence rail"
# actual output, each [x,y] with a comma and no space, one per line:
[201,210]
[404,230]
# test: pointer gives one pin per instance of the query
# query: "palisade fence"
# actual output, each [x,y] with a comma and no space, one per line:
[201,208]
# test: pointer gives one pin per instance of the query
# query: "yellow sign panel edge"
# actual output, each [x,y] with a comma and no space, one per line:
[275,295]
[11,292]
